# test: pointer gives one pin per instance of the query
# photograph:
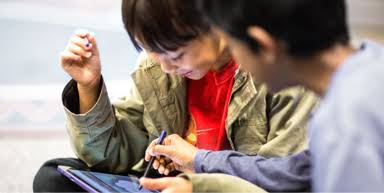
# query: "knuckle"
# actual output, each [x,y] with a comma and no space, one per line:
[73,41]
[173,136]
[70,46]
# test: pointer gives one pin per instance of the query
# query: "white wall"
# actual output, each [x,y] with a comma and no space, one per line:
[366,19]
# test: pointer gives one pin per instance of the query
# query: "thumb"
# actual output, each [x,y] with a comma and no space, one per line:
[156,184]
[165,150]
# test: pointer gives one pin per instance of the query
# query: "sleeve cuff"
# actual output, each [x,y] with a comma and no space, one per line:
[196,183]
[220,183]
[199,160]
[100,111]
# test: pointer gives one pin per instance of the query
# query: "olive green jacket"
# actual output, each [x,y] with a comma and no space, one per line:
[113,138]
[220,183]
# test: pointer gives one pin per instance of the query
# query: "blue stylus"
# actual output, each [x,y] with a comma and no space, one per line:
[160,141]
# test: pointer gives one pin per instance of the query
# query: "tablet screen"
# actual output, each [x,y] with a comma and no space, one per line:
[109,182]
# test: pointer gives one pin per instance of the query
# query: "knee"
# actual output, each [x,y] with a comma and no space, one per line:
[48,179]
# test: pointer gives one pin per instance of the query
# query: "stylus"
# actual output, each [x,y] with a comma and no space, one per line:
[160,141]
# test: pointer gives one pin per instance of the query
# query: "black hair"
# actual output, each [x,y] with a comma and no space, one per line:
[162,25]
[306,26]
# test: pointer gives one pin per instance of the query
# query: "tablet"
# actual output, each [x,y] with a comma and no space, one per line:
[96,182]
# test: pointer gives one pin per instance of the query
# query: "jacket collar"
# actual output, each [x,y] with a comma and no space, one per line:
[165,97]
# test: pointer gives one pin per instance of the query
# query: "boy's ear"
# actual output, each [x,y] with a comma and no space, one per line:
[265,40]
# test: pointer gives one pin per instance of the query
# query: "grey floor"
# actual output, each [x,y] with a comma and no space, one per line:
[21,159]
[33,32]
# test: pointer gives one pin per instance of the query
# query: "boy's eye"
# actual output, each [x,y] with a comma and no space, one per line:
[178,57]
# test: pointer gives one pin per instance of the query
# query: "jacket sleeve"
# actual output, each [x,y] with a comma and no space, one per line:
[291,173]
[220,183]
[288,112]
[109,138]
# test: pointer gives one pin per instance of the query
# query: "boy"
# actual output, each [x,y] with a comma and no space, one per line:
[190,86]
[303,42]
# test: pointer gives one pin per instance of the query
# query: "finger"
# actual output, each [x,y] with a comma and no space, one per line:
[167,160]
[167,140]
[81,32]
[156,184]
[162,161]
[78,50]
[68,57]
[161,169]
[92,39]
[149,152]
[81,42]
[90,36]
[168,190]
[164,150]
[178,167]
[170,167]
[147,156]
[156,164]
[166,172]
[171,139]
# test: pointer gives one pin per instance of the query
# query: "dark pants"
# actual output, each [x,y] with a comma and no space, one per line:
[48,179]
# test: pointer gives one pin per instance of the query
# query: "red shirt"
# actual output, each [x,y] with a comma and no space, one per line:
[208,100]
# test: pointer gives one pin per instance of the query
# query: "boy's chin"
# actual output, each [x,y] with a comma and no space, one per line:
[195,76]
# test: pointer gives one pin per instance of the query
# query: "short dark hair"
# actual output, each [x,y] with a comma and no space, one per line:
[306,26]
[162,25]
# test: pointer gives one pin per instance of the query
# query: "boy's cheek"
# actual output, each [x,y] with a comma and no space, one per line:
[167,68]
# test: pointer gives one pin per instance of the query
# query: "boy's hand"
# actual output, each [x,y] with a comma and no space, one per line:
[176,149]
[167,185]
[81,59]
[164,165]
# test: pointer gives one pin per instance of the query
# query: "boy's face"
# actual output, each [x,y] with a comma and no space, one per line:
[271,67]
[192,61]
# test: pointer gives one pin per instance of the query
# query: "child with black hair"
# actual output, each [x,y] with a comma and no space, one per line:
[301,42]
[187,83]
